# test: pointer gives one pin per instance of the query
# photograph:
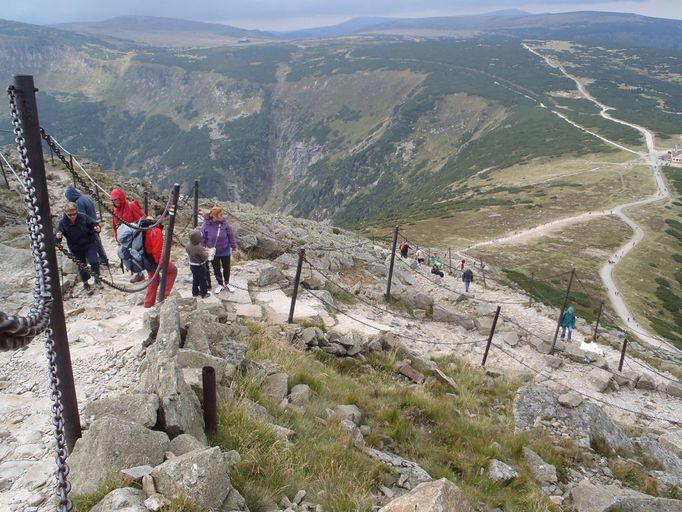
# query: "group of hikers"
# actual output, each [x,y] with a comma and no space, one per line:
[436,265]
[140,241]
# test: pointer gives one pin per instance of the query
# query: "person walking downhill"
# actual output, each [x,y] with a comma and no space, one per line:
[217,234]
[568,322]
[80,232]
[153,245]
[404,248]
[85,205]
[198,256]
[420,255]
[129,211]
[468,278]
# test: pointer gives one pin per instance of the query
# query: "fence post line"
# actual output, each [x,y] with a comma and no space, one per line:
[145,202]
[390,268]
[195,210]
[2,166]
[209,392]
[563,308]
[168,242]
[490,336]
[622,353]
[485,285]
[596,325]
[532,287]
[28,113]
[297,279]
[450,259]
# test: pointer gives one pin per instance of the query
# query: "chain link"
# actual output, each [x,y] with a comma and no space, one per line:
[63,486]
[17,331]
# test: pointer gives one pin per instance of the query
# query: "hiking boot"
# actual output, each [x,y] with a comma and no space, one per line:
[230,288]
[86,287]
[137,278]
[98,283]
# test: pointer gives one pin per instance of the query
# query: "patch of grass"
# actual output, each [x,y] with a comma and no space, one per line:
[634,476]
[340,295]
[84,502]
[449,432]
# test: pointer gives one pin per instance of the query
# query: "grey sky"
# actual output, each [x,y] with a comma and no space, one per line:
[293,14]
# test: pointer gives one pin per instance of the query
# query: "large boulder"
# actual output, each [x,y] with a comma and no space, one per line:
[443,314]
[125,499]
[110,445]
[436,496]
[610,498]
[206,334]
[667,459]
[179,407]
[501,472]
[276,386]
[269,275]
[587,423]
[188,358]
[138,407]
[672,441]
[185,443]
[543,472]
[202,475]
[168,335]
[415,298]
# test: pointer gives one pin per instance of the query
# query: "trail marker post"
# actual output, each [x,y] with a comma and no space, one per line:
[390,268]
[563,308]
[168,242]
[622,353]
[490,337]
[297,280]
[195,209]
[596,325]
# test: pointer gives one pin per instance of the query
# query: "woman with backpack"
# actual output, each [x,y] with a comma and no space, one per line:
[129,211]
[217,236]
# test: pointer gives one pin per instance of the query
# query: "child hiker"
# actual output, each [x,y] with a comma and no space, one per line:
[198,256]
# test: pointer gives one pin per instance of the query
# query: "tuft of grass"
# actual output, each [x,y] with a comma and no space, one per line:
[84,502]
[634,475]
[340,295]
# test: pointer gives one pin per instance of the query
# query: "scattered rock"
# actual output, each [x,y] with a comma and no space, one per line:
[436,496]
[570,399]
[138,407]
[125,499]
[185,443]
[349,412]
[299,395]
[501,472]
[543,472]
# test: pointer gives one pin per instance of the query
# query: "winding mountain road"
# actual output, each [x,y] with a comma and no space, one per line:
[662,192]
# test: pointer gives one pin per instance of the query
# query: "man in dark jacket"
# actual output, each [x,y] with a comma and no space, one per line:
[80,232]
[467,277]
[85,205]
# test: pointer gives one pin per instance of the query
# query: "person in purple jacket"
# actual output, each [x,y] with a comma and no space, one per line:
[217,233]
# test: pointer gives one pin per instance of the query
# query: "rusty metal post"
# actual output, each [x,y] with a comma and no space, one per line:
[450,259]
[532,287]
[563,308]
[490,337]
[99,205]
[28,114]
[485,285]
[622,354]
[390,268]
[596,325]
[169,242]
[195,209]
[297,279]
[210,405]
[145,203]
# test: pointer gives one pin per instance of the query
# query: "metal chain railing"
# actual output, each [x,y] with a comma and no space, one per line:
[57,151]
[63,485]
[17,331]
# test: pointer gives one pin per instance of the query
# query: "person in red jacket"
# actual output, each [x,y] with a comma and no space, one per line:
[129,211]
[153,245]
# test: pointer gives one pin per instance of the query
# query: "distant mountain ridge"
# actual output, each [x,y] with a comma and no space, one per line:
[584,26]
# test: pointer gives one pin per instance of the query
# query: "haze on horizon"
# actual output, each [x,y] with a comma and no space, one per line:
[297,14]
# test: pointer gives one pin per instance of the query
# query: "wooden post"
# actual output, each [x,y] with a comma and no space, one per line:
[297,279]
[622,354]
[168,242]
[209,392]
[563,308]
[490,337]
[28,114]
[390,268]
[596,325]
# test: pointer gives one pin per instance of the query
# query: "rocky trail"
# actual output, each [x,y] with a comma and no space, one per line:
[430,317]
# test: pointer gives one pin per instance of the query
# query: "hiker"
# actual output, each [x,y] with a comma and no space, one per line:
[568,322]
[404,247]
[80,232]
[435,269]
[421,257]
[85,205]
[129,211]
[198,257]
[468,278]
[461,265]
[217,234]
[153,245]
